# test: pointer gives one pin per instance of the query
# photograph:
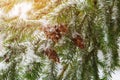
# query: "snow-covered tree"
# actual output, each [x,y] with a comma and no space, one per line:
[59,39]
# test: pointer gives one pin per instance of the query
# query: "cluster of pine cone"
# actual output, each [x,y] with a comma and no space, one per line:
[55,33]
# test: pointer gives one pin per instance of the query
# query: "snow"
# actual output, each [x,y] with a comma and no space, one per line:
[116,75]
[20,10]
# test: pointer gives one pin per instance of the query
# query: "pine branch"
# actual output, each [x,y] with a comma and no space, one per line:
[33,71]
[10,73]
[52,71]
[95,26]
[60,76]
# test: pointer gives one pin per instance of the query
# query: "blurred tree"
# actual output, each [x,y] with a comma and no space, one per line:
[60,39]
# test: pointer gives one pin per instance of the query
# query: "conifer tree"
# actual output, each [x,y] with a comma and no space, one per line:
[59,39]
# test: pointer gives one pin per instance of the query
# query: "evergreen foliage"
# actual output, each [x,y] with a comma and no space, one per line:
[69,47]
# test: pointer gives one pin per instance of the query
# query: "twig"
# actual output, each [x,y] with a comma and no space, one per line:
[63,71]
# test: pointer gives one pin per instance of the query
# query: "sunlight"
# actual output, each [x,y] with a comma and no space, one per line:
[1,13]
[20,10]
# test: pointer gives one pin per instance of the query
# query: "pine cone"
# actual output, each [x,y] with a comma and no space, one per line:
[78,41]
[56,32]
[63,29]
[52,54]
